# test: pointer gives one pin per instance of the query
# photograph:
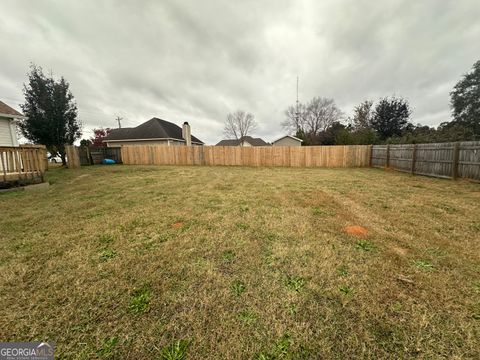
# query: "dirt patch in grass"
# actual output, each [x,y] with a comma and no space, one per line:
[177,225]
[356,230]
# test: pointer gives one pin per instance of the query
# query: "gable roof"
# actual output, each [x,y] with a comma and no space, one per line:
[233,142]
[154,128]
[290,136]
[7,110]
[236,142]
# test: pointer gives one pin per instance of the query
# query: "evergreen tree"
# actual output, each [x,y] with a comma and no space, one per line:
[465,100]
[390,117]
[50,111]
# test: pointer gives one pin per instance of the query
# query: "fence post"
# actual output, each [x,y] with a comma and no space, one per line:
[414,158]
[3,168]
[73,160]
[387,162]
[456,153]
[370,161]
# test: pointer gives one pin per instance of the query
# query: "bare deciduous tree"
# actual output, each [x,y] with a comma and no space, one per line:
[313,118]
[239,124]
[295,118]
[321,114]
[362,115]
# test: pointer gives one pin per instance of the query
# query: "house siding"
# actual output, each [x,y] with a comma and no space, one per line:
[8,135]
[142,142]
[287,141]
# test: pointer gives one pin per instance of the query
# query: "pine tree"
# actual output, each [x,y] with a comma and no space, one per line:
[50,111]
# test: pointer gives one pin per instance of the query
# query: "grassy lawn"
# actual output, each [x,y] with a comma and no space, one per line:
[237,263]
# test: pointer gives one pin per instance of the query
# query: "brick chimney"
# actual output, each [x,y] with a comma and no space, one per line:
[187,134]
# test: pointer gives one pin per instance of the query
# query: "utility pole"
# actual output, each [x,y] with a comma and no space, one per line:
[119,123]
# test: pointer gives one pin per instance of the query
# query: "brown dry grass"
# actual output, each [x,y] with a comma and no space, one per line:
[118,262]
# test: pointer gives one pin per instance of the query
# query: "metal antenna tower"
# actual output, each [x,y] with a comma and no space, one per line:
[297,114]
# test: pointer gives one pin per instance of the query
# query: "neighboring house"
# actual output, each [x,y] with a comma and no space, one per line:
[8,119]
[244,141]
[153,132]
[288,140]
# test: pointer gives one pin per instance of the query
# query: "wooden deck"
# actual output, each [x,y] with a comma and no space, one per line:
[22,165]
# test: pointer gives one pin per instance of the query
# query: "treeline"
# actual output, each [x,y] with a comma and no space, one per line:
[388,120]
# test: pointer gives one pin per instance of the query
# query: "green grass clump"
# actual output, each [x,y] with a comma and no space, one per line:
[140,299]
[243,226]
[342,270]
[228,256]
[476,287]
[107,254]
[247,317]
[295,283]
[177,350]
[365,245]
[108,347]
[279,350]
[423,265]
[238,287]
[346,290]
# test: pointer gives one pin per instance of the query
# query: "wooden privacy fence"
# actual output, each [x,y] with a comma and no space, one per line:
[305,156]
[81,155]
[446,160]
[22,165]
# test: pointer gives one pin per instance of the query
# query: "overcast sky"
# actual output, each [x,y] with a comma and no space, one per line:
[196,61]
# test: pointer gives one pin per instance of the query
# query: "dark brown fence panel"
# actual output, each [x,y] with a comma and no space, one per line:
[469,160]
[95,156]
[401,157]
[379,155]
[435,159]
[445,160]
[84,155]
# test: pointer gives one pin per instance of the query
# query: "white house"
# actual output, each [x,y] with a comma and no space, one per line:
[8,118]
[288,140]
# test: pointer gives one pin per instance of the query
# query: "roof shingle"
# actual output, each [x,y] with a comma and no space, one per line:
[154,128]
[5,109]
[236,142]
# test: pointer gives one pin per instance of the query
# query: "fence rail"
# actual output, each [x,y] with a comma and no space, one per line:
[305,156]
[445,160]
[22,165]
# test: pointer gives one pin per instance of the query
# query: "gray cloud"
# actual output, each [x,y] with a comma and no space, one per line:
[199,60]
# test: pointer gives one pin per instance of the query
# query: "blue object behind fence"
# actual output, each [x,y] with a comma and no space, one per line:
[108,161]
